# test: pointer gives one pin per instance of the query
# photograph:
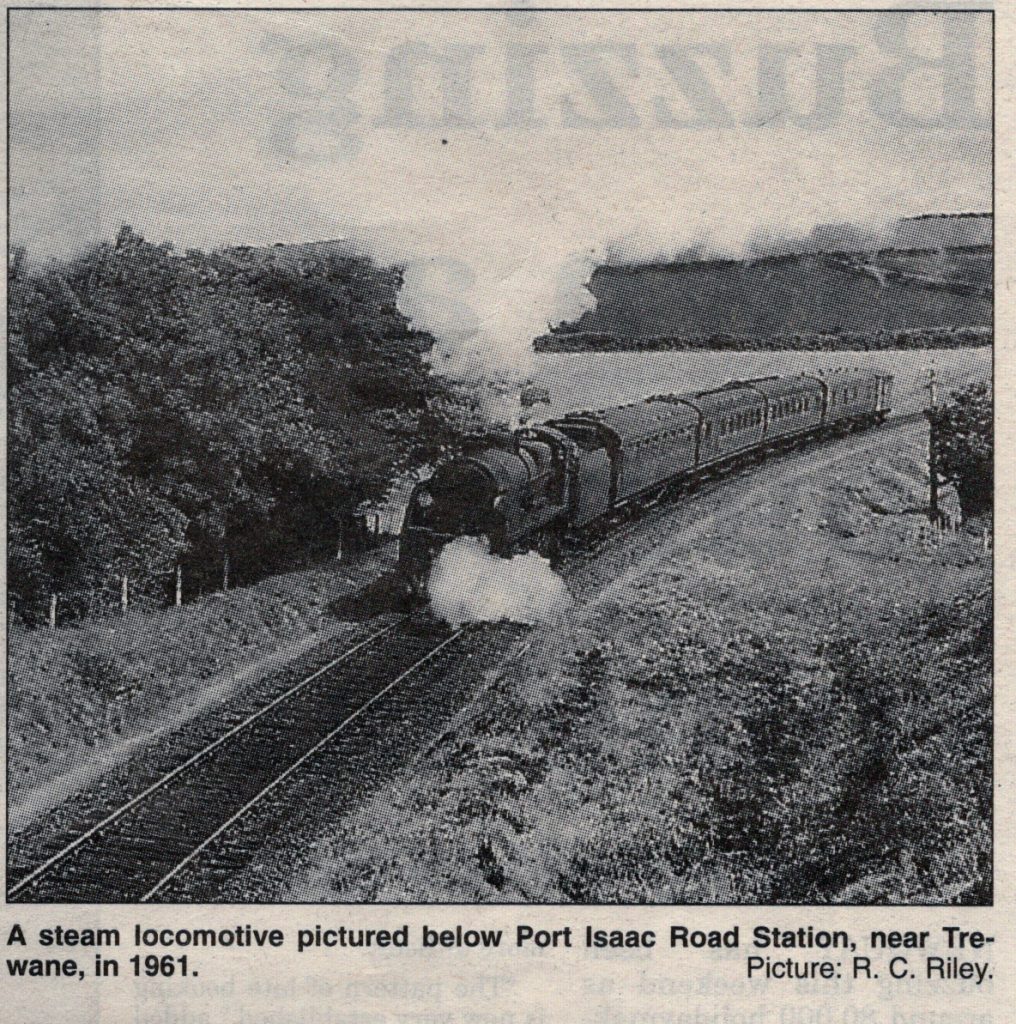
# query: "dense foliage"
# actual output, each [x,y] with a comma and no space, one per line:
[919,338]
[863,779]
[964,438]
[845,794]
[169,409]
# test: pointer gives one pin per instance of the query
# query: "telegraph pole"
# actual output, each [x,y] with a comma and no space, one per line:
[932,386]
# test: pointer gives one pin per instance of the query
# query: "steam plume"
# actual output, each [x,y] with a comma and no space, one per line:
[469,584]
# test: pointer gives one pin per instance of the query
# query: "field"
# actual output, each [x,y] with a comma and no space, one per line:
[792,295]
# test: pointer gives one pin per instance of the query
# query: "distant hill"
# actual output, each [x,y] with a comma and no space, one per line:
[884,292]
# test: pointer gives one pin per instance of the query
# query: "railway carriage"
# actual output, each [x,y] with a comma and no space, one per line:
[731,420]
[852,395]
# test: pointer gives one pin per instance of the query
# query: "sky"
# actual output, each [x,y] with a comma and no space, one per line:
[496,155]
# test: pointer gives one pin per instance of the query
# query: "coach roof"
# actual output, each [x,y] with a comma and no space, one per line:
[639,420]
[780,387]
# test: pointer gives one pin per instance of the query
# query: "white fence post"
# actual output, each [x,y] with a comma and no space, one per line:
[52,611]
[123,595]
[179,586]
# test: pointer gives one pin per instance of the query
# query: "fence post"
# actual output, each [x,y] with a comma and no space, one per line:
[52,611]
[932,387]
[179,586]
[225,571]
[123,595]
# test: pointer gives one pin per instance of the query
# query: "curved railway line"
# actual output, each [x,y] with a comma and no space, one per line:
[137,852]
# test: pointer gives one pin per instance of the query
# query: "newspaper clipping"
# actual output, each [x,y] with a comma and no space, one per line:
[500,514]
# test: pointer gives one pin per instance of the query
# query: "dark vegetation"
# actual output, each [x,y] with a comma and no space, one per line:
[778,297]
[964,438]
[925,338]
[203,410]
[866,779]
[844,791]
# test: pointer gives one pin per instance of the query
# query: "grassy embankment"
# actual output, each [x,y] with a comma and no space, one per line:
[85,696]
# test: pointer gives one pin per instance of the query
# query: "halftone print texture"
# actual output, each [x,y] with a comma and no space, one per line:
[500,456]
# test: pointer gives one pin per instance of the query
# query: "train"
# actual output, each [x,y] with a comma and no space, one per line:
[565,477]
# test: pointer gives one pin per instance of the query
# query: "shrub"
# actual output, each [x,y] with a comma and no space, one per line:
[965,442]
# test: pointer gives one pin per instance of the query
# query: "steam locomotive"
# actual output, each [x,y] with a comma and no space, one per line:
[567,475]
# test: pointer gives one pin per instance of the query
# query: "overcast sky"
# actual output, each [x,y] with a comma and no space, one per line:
[580,132]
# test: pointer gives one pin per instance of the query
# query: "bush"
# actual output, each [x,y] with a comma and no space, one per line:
[964,432]
[572,340]
[104,675]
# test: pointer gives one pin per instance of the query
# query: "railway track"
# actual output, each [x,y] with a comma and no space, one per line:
[135,853]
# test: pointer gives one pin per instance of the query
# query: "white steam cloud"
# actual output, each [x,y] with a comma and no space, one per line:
[469,584]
